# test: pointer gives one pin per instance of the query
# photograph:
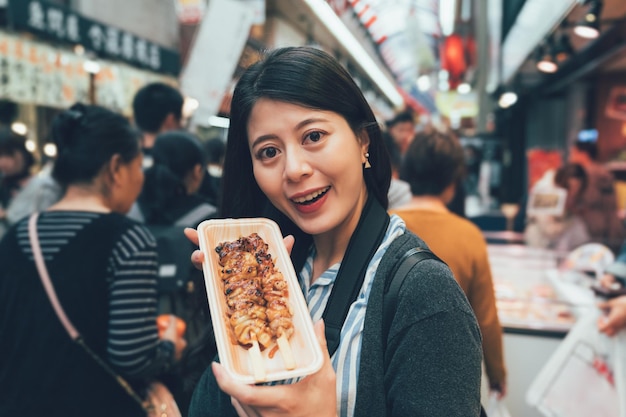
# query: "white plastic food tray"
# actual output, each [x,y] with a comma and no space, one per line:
[235,358]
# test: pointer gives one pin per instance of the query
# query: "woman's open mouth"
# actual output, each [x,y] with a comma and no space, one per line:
[312,197]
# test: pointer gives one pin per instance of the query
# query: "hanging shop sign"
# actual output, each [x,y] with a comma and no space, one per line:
[221,38]
[65,25]
[32,72]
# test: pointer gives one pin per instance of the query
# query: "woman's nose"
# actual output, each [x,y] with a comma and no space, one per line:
[297,165]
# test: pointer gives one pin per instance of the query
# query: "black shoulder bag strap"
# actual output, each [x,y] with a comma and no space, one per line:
[366,239]
[392,285]
[392,288]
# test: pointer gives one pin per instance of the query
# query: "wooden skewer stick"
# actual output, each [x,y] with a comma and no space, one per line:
[256,360]
[286,352]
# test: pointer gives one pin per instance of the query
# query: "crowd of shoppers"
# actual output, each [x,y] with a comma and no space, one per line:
[103,268]
[172,198]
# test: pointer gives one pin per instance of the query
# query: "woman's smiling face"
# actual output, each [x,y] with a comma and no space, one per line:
[309,163]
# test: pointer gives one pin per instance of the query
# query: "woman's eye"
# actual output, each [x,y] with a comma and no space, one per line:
[268,153]
[314,136]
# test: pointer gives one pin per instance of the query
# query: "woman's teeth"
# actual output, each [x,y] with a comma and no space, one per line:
[309,198]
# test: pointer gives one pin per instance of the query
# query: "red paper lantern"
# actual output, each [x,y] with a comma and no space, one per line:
[453,59]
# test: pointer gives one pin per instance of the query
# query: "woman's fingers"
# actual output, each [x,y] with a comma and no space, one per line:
[192,235]
[243,410]
[197,257]
[315,395]
[242,393]
[289,241]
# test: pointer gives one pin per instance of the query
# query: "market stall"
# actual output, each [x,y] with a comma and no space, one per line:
[534,317]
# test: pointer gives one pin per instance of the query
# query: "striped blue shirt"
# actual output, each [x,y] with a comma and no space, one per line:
[346,359]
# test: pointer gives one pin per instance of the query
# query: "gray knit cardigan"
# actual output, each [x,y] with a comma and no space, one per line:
[431,364]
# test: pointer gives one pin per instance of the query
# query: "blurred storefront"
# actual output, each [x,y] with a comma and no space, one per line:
[52,56]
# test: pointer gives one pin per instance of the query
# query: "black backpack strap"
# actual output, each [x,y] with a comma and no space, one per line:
[363,244]
[392,285]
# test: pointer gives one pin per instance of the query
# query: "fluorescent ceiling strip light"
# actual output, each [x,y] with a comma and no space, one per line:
[342,34]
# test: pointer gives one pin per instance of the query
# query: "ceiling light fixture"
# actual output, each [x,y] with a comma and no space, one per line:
[91,66]
[423,82]
[589,26]
[464,88]
[507,99]
[545,61]
[19,128]
[563,49]
[50,149]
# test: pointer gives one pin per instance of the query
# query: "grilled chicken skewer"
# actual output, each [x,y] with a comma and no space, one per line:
[256,291]
[246,306]
[276,295]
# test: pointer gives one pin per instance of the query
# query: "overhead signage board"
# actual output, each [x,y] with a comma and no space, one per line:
[35,72]
[65,25]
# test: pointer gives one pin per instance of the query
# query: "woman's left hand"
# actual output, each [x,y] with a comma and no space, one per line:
[314,396]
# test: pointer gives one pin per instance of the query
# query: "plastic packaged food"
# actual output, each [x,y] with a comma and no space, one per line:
[250,365]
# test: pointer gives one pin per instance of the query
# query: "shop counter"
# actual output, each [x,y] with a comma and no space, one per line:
[534,316]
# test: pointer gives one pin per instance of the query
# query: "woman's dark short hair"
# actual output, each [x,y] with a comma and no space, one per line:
[175,154]
[87,137]
[432,162]
[179,152]
[402,117]
[567,171]
[153,102]
[215,149]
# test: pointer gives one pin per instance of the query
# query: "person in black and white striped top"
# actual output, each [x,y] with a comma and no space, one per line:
[103,267]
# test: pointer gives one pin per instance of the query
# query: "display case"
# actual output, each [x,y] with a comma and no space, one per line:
[527,300]
[537,306]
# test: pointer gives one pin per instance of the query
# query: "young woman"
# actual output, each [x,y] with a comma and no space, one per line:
[103,268]
[305,149]
[566,232]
